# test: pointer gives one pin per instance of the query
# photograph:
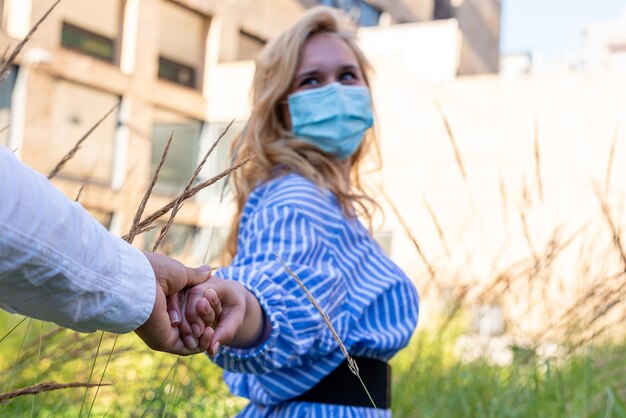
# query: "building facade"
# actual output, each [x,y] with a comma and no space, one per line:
[150,63]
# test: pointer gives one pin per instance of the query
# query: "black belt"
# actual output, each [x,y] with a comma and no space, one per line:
[342,387]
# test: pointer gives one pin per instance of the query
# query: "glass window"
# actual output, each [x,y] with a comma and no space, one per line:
[249,46]
[209,245]
[178,241]
[221,157]
[92,28]
[75,110]
[359,10]
[181,52]
[6,90]
[182,157]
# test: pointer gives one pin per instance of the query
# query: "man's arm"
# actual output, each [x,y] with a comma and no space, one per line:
[58,264]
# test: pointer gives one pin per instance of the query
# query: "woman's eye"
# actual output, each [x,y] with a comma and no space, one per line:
[309,81]
[348,76]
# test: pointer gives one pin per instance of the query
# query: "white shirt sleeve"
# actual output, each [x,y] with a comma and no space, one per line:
[59,264]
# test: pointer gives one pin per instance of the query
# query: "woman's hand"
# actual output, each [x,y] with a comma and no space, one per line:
[171,277]
[242,322]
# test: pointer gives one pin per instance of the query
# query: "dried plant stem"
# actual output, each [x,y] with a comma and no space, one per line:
[538,160]
[46,387]
[80,192]
[615,232]
[527,237]
[433,216]
[457,153]
[6,64]
[409,234]
[504,200]
[4,129]
[76,147]
[144,200]
[179,201]
[145,225]
[354,368]
[609,165]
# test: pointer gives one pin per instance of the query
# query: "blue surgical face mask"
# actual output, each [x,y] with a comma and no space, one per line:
[334,118]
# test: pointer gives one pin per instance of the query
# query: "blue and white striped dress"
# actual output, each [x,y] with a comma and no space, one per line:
[371,302]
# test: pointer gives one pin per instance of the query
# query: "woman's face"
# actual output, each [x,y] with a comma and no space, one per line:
[325,59]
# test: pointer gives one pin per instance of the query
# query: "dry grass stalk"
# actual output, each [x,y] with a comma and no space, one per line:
[504,200]
[6,64]
[407,231]
[46,387]
[4,54]
[4,129]
[144,200]
[602,298]
[76,147]
[527,237]
[609,165]
[615,231]
[433,216]
[457,153]
[538,160]
[180,200]
[80,192]
[145,225]
[354,368]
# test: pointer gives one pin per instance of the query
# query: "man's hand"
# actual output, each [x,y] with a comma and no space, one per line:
[242,322]
[159,332]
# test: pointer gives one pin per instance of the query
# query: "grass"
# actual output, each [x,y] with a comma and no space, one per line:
[430,379]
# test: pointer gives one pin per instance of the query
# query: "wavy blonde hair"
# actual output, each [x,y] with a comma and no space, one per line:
[267,135]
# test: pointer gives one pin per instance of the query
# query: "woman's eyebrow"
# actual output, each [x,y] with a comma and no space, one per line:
[307,73]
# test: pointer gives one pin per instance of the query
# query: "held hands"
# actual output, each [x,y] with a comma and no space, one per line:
[171,278]
[223,309]
[192,314]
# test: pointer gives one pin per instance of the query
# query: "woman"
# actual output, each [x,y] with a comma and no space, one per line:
[297,201]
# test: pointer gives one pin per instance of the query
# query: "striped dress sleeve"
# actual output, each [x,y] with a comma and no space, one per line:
[298,331]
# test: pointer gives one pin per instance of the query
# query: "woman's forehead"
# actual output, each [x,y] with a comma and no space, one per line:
[324,49]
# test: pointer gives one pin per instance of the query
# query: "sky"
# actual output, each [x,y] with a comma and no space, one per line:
[551,28]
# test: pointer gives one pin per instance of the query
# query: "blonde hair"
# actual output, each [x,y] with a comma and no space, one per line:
[268,137]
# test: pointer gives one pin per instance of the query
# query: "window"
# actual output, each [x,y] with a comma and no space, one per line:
[178,241]
[92,28]
[221,157]
[249,46]
[209,245]
[75,110]
[360,11]
[181,52]
[6,91]
[182,157]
